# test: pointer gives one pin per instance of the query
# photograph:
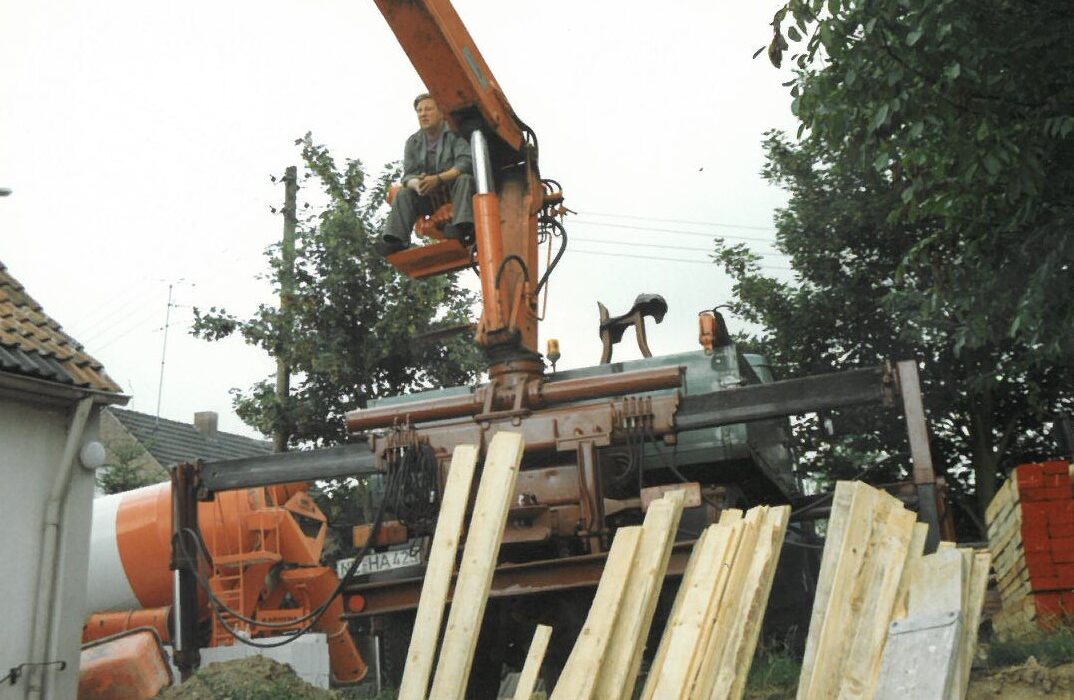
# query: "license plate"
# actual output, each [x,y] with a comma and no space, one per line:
[382,561]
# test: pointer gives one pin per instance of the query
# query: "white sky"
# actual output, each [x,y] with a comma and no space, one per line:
[139,137]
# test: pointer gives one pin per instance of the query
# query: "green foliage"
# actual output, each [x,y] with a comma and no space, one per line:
[774,673]
[126,469]
[1048,648]
[931,202]
[348,331]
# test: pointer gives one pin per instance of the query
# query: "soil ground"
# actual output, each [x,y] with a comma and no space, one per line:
[258,678]
[254,678]
[1022,682]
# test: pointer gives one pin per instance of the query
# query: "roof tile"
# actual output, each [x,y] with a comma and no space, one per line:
[34,345]
[171,442]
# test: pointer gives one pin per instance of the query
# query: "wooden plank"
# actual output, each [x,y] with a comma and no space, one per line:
[527,680]
[696,555]
[853,508]
[687,632]
[976,589]
[728,612]
[494,497]
[913,554]
[619,672]
[1004,497]
[724,607]
[434,589]
[580,673]
[874,601]
[733,666]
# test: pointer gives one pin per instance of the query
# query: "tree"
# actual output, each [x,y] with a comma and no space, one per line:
[352,329]
[931,199]
[129,466]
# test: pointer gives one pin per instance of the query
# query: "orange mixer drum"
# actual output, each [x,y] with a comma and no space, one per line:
[130,544]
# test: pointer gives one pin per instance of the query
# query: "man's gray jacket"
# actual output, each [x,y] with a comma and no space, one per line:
[454,152]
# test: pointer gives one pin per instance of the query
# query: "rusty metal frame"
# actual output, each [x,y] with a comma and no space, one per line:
[509,580]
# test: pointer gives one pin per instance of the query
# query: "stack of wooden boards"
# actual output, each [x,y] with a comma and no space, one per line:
[873,574]
[707,646]
[879,601]
[1031,533]
[709,640]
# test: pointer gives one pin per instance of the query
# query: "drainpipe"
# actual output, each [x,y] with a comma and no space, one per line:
[50,537]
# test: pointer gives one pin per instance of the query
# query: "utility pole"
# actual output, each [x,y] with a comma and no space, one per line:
[287,287]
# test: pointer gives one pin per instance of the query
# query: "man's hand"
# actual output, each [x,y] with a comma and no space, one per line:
[427,184]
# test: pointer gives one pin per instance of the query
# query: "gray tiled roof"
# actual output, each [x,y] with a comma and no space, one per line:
[171,442]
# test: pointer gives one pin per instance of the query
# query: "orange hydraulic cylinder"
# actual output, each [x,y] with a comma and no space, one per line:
[106,624]
[490,257]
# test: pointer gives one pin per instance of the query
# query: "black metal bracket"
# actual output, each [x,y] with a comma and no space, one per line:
[14,673]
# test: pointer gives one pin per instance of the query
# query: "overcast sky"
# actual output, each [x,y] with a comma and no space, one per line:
[139,139]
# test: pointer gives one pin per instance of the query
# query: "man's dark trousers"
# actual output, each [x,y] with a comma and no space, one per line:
[408,205]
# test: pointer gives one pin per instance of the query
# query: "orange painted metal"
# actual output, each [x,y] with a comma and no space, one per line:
[391,532]
[447,59]
[612,384]
[127,666]
[539,394]
[430,260]
[310,587]
[144,534]
[106,624]
[706,323]
[247,533]
[489,257]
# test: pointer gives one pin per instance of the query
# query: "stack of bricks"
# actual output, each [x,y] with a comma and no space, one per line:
[1031,535]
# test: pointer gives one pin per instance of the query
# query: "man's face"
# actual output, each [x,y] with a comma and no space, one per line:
[429,117]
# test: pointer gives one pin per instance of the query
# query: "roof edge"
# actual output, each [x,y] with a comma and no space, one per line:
[56,390]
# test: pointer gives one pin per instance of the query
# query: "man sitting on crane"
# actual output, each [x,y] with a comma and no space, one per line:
[436,167]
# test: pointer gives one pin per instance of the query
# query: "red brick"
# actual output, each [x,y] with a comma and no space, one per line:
[1057,480]
[1036,541]
[1063,557]
[1036,514]
[1049,604]
[1039,565]
[1046,583]
[1059,532]
[1060,511]
[1029,482]
[1029,470]
[1065,574]
[1062,544]
[1054,493]
[1056,467]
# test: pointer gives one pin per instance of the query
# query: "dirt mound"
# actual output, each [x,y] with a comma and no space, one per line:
[1029,680]
[253,678]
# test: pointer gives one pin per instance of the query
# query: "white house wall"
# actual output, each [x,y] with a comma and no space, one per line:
[32,438]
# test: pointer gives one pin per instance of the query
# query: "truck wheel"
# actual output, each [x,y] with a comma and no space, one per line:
[395,632]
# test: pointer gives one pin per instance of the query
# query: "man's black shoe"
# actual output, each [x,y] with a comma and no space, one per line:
[388,245]
[463,232]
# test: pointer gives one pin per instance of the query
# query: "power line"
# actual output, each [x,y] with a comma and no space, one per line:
[661,245]
[138,325]
[102,331]
[718,224]
[753,239]
[654,257]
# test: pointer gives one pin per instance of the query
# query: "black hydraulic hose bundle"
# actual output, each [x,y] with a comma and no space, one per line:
[398,478]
